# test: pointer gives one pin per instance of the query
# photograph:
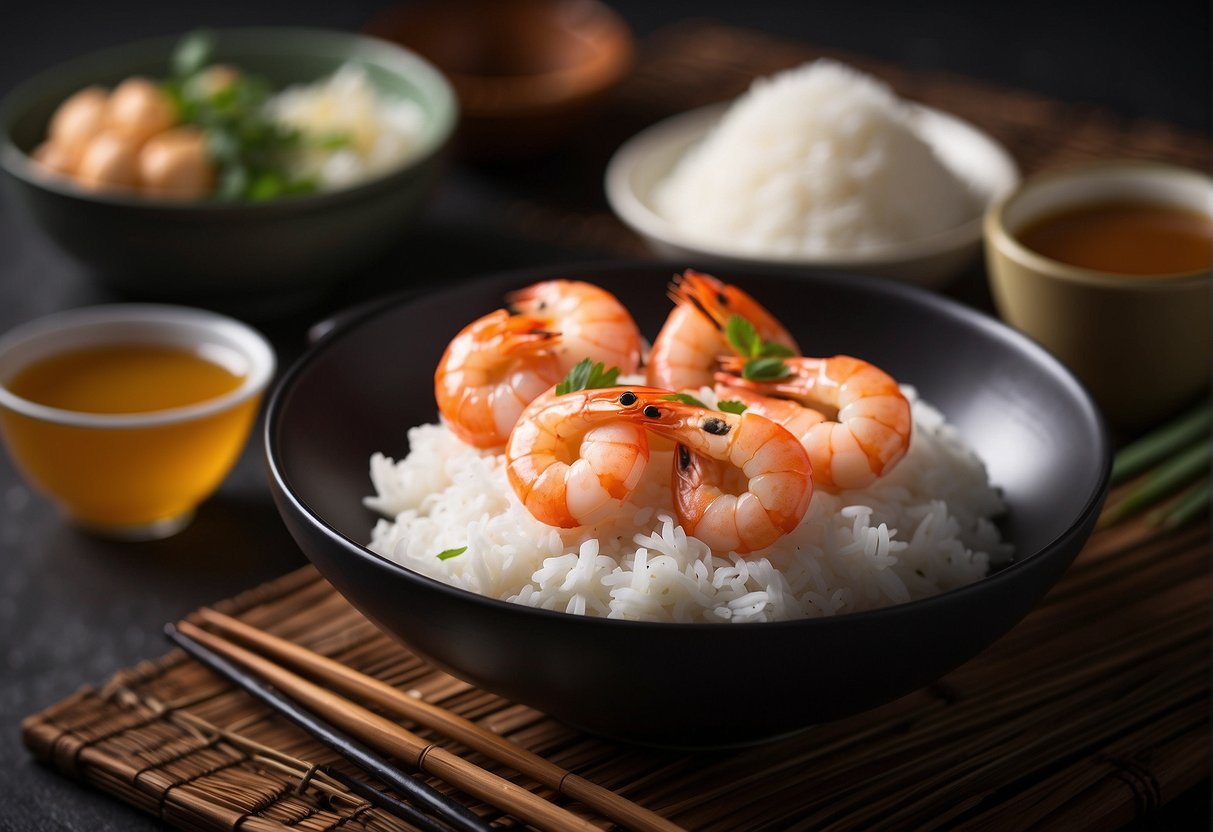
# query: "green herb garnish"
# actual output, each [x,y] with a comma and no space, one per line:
[685,398]
[743,337]
[250,151]
[447,554]
[726,406]
[193,53]
[766,369]
[764,358]
[587,376]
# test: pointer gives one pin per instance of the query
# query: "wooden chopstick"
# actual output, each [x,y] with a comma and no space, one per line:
[458,815]
[352,683]
[387,737]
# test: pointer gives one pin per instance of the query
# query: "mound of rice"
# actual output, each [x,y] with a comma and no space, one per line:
[820,159]
[921,529]
[369,132]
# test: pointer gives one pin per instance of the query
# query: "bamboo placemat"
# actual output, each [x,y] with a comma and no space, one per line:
[1090,713]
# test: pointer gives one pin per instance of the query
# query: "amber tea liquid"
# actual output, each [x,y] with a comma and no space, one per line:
[1134,238]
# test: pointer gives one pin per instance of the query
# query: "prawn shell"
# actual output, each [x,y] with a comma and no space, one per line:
[692,338]
[573,459]
[716,449]
[488,374]
[859,422]
[592,322]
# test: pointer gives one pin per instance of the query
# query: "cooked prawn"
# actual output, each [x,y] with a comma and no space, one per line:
[491,371]
[693,336]
[591,321]
[741,481]
[793,416]
[573,459]
[859,424]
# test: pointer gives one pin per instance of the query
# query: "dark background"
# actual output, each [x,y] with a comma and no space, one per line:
[73,609]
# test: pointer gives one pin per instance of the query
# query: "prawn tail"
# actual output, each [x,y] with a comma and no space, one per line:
[526,333]
[702,291]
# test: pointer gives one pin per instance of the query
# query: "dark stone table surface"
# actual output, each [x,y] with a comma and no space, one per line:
[74,608]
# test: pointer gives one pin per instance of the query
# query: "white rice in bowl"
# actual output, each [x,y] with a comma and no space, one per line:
[369,132]
[924,528]
[816,160]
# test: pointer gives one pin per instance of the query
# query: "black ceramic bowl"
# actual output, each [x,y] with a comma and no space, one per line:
[221,252]
[696,685]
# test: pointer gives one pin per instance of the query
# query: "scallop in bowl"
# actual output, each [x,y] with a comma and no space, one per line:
[694,684]
[242,230]
[816,167]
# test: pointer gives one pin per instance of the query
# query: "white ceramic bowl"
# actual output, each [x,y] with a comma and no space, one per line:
[132,475]
[647,158]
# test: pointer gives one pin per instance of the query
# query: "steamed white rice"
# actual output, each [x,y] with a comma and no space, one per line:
[376,132]
[922,529]
[820,159]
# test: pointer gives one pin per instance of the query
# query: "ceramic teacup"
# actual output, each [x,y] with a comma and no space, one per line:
[1140,342]
[126,470]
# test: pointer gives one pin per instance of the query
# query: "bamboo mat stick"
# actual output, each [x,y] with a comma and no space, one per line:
[988,770]
[353,683]
[390,738]
[925,740]
[1089,780]
[331,782]
[425,799]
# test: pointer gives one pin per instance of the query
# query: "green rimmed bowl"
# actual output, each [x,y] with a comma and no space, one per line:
[287,249]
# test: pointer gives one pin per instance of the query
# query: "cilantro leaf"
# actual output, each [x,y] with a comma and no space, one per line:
[770,368]
[742,337]
[447,554]
[771,348]
[725,406]
[685,398]
[587,375]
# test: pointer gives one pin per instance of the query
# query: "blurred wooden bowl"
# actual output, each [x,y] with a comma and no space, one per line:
[526,72]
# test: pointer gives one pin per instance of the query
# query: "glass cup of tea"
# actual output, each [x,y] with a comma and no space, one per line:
[127,416]
[1108,266]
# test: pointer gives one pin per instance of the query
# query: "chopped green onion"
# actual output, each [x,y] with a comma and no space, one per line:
[731,406]
[1161,443]
[1163,480]
[447,554]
